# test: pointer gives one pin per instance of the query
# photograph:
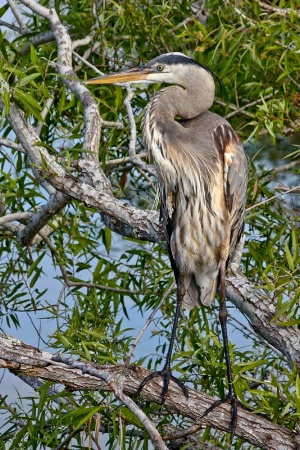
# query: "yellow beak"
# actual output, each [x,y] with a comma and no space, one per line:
[132,75]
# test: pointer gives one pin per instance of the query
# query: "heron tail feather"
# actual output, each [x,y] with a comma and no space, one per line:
[200,289]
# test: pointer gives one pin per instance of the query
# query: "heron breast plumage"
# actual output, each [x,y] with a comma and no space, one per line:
[192,201]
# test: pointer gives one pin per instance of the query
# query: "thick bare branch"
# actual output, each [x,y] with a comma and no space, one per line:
[38,39]
[65,68]
[130,221]
[260,311]
[23,359]
[39,219]
[121,217]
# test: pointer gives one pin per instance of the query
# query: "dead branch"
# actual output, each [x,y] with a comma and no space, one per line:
[23,359]
[280,11]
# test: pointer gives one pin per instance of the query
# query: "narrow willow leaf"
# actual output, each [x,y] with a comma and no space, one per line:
[289,258]
[33,266]
[28,79]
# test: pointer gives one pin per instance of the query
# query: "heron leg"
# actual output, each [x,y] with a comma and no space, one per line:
[166,372]
[231,396]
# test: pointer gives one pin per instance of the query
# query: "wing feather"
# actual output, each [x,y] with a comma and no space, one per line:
[235,167]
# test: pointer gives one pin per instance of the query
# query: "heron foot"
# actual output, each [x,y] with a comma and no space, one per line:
[166,375]
[233,400]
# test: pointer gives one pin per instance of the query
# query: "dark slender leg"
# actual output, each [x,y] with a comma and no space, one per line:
[223,321]
[166,372]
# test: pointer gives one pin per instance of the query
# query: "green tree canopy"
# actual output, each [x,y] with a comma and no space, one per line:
[82,245]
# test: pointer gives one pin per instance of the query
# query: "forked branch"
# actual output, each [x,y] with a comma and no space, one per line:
[23,359]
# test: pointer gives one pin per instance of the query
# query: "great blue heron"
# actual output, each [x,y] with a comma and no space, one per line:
[202,172]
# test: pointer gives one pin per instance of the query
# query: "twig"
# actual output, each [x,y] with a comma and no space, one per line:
[282,12]
[82,59]
[234,107]
[182,24]
[11,144]
[10,26]
[86,55]
[145,326]
[285,167]
[242,108]
[198,10]
[132,142]
[290,78]
[287,190]
[128,107]
[18,16]
[18,422]
[142,172]
[243,15]
[99,286]
[44,114]
[15,216]
[84,41]
[118,391]
[110,124]
[149,426]
[172,436]
[40,218]
[294,189]
[64,443]
[58,303]
[111,163]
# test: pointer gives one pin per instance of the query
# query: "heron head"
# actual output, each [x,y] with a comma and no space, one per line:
[171,68]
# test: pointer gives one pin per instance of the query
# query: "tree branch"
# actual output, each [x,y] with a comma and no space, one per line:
[260,312]
[10,26]
[18,16]
[11,144]
[39,219]
[22,359]
[38,39]
[294,190]
[127,220]
[280,11]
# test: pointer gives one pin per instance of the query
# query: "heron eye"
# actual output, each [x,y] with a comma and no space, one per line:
[160,67]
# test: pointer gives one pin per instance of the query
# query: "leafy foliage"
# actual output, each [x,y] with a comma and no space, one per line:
[97,285]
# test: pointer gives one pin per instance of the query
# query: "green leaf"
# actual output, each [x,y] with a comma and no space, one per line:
[28,79]
[107,239]
[34,265]
[27,99]
[29,103]
[91,413]
[289,258]
[6,99]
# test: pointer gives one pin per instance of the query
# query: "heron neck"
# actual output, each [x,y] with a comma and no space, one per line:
[186,103]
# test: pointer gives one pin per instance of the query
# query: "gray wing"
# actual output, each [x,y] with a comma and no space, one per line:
[235,179]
